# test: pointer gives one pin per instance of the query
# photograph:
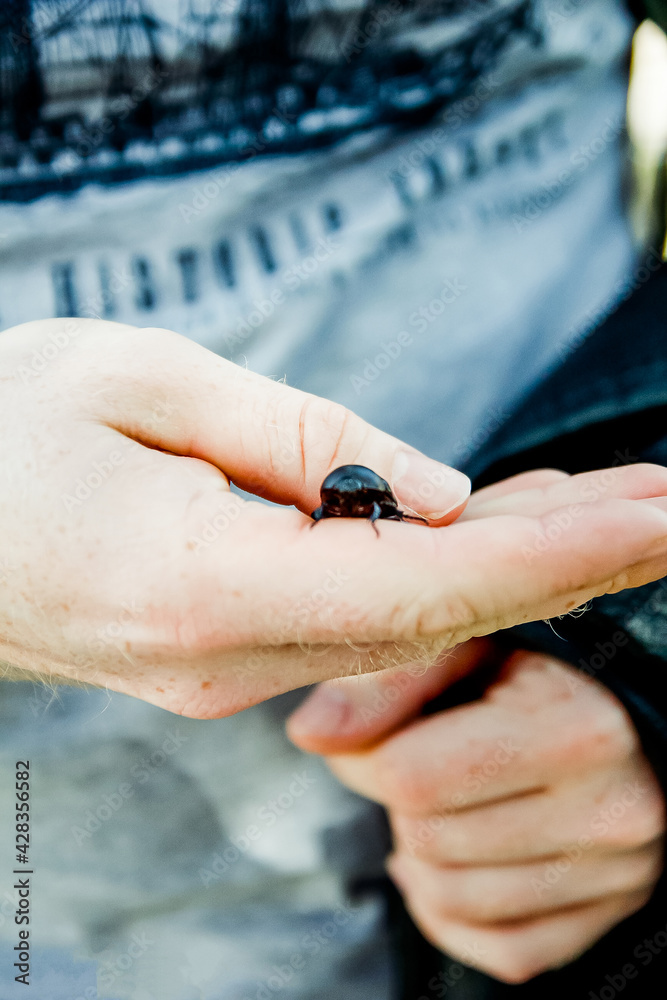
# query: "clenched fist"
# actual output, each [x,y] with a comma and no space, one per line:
[526,824]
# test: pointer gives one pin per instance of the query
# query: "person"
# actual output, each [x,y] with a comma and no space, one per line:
[188,863]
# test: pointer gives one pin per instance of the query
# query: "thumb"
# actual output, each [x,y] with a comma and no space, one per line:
[271,440]
[351,713]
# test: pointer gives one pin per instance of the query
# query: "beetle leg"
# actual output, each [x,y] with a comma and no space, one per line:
[377,513]
[317,515]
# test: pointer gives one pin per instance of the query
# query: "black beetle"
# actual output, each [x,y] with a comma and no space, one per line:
[355,491]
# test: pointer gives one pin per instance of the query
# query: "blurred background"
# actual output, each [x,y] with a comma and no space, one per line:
[647,126]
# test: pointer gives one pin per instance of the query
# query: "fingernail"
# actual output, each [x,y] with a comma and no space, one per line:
[323,712]
[426,486]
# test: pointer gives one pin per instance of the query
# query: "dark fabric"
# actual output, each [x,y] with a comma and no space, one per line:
[609,395]
[605,404]
[657,10]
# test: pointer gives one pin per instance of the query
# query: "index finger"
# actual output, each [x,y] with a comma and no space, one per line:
[449,762]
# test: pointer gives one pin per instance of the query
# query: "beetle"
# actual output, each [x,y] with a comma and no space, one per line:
[355,491]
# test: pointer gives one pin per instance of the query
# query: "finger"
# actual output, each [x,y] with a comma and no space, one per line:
[535,479]
[528,734]
[271,440]
[536,493]
[412,585]
[516,952]
[497,895]
[458,597]
[595,818]
[344,715]
[350,603]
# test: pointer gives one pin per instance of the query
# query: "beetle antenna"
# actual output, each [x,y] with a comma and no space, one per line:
[414,517]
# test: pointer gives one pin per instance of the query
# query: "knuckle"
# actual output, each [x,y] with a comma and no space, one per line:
[329,433]
[510,958]
[418,838]
[606,731]
[515,969]
[650,822]
[126,339]
[615,730]
[152,337]
[400,784]
[502,956]
[643,824]
[633,816]
[648,869]
[476,903]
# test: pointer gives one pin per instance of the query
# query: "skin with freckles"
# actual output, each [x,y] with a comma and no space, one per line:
[526,824]
[128,562]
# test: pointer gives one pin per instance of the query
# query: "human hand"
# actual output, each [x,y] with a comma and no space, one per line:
[526,824]
[127,561]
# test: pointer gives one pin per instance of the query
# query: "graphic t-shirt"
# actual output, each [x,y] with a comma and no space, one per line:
[411,207]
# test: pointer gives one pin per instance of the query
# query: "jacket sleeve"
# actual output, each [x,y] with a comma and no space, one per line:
[604,405]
